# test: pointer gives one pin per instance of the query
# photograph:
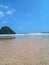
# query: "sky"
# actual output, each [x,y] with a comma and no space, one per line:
[25,16]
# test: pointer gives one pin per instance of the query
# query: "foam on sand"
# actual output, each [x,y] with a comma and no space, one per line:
[8,36]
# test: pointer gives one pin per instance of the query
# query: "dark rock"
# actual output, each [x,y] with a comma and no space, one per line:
[6,30]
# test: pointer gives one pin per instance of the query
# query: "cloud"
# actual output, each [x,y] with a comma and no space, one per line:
[6,7]
[9,12]
[2,14]
[4,22]
[1,5]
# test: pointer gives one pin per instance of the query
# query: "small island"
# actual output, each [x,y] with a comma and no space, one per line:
[7,33]
[6,30]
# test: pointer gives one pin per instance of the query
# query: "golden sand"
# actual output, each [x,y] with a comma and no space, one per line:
[24,52]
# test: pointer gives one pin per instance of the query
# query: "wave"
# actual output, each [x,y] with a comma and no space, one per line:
[29,35]
[25,34]
[34,34]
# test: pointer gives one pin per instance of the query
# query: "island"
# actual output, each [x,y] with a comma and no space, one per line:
[6,30]
[7,33]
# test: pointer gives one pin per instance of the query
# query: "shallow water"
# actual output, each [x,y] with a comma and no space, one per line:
[32,36]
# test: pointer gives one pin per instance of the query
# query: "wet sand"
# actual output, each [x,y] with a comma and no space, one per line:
[24,51]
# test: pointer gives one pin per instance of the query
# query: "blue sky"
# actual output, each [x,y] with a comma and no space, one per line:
[25,16]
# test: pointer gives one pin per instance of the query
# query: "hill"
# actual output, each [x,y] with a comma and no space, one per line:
[6,30]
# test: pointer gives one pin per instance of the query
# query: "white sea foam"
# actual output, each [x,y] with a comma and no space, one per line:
[38,34]
[24,34]
[29,35]
[34,34]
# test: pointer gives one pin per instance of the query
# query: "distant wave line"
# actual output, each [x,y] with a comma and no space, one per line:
[24,34]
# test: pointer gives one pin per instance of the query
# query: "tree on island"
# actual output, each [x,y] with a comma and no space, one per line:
[6,30]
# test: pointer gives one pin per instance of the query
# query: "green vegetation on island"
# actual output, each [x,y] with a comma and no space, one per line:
[6,30]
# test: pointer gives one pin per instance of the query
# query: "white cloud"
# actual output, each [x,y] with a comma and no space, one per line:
[4,22]
[1,5]
[2,14]
[10,12]
[6,7]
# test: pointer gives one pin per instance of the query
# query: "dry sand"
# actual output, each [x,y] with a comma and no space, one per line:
[24,52]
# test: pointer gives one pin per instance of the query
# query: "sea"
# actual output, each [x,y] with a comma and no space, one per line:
[25,36]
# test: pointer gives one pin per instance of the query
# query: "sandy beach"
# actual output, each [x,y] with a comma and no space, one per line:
[29,51]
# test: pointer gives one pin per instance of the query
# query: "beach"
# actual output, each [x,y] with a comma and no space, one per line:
[26,50]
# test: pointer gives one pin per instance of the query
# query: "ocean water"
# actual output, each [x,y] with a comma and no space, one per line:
[32,37]
[24,36]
